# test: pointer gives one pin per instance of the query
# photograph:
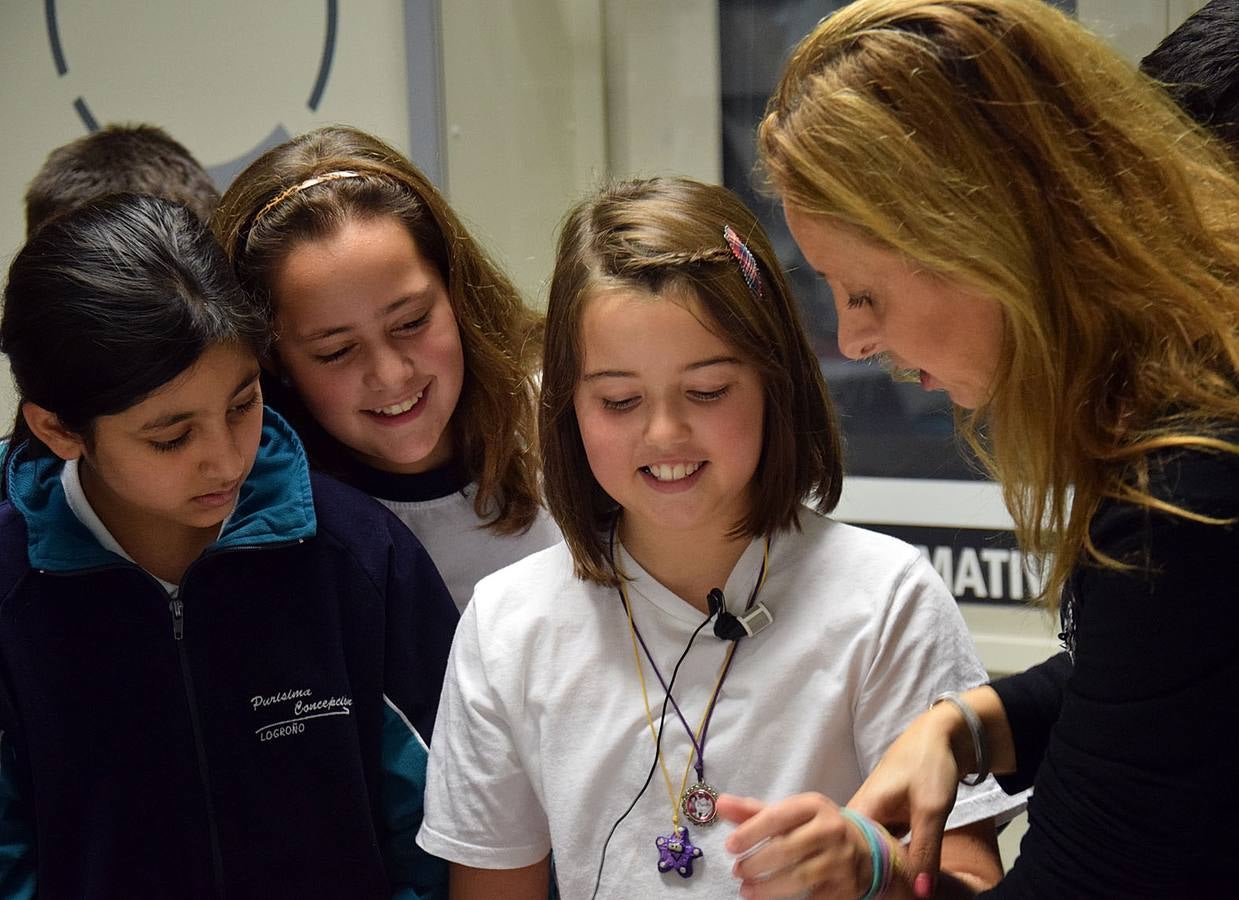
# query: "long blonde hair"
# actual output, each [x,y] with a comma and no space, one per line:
[1000,143]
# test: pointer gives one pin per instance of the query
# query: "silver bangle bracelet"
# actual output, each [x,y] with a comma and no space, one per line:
[980,748]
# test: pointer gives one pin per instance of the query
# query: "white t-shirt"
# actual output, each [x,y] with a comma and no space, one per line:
[462,548]
[541,740]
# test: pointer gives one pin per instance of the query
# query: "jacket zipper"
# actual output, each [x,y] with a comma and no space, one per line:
[177,607]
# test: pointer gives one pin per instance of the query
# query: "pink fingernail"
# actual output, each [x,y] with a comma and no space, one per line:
[924,886]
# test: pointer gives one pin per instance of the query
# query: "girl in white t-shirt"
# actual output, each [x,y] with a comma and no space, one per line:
[700,630]
[403,356]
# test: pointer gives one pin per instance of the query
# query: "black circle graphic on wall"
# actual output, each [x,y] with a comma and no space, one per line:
[223,173]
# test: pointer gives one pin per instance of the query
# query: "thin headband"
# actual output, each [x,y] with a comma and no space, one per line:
[298,188]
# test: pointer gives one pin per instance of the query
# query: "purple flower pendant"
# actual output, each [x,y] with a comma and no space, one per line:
[676,851]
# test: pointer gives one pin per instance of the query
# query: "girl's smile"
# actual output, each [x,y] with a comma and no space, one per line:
[402,413]
[396,410]
[673,476]
[368,337]
[670,416]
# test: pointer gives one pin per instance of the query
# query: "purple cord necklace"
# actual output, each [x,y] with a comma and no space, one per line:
[698,801]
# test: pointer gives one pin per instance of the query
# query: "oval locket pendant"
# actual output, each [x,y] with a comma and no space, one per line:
[700,804]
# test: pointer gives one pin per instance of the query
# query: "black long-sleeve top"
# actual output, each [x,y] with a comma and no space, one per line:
[1130,746]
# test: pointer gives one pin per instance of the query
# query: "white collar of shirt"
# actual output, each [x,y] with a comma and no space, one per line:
[76,498]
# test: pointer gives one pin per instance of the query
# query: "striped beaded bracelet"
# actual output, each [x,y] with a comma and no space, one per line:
[879,852]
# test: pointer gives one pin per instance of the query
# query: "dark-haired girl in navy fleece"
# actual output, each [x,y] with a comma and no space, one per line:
[218,673]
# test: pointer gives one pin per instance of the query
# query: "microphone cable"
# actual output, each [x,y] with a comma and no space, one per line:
[662,718]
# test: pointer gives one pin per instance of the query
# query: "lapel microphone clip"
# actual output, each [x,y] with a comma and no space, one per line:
[730,627]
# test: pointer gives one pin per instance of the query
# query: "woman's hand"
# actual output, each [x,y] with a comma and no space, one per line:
[799,847]
[913,786]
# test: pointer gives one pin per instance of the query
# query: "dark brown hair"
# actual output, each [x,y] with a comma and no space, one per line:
[109,303]
[140,159]
[1198,63]
[493,423]
[666,235]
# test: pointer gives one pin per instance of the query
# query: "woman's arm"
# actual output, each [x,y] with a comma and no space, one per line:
[1032,701]
[995,730]
[970,862]
[528,883]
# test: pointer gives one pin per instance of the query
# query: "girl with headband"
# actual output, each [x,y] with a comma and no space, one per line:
[701,630]
[401,354]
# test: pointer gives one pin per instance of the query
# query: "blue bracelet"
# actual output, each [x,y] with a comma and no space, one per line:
[875,849]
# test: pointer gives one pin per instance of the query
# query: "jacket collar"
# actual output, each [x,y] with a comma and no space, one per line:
[274,506]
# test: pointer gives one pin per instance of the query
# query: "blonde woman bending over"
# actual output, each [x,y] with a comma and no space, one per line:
[1004,207]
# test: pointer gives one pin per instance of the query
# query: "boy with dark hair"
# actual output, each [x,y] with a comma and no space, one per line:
[1199,63]
[141,159]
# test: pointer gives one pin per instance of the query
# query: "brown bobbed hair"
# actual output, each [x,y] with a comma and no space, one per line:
[493,424]
[664,237]
[998,142]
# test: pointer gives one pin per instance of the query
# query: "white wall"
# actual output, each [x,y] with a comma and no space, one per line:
[525,114]
[547,99]
[1134,27]
[662,88]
